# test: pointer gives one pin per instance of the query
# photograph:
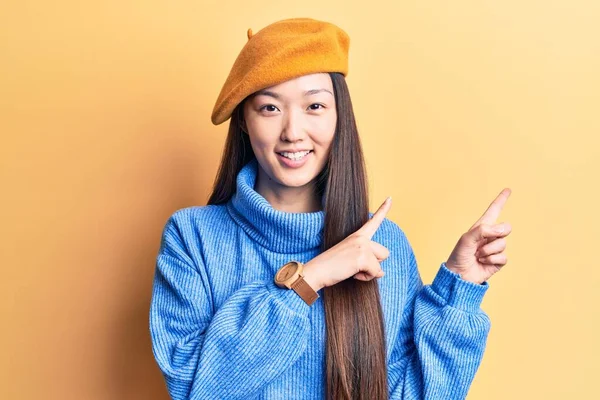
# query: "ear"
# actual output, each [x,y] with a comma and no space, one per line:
[241,119]
[243,125]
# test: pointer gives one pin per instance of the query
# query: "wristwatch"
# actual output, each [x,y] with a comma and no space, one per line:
[291,276]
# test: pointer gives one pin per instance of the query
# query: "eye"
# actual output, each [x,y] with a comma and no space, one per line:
[268,107]
[312,106]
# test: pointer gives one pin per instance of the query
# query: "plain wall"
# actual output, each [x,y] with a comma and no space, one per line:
[105,132]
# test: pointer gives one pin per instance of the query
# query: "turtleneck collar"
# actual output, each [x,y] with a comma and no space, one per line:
[278,231]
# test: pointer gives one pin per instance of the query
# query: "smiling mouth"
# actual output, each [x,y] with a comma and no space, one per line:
[301,155]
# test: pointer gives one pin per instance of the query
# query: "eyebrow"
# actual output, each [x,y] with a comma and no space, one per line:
[315,91]
[265,92]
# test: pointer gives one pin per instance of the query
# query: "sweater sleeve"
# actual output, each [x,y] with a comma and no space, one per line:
[257,333]
[442,336]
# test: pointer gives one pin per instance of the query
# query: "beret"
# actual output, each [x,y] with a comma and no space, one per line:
[281,51]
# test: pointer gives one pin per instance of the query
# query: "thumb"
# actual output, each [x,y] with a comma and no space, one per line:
[485,231]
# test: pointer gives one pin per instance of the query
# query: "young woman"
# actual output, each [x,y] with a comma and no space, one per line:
[270,290]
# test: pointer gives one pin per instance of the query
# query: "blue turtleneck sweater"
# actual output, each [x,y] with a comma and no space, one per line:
[222,329]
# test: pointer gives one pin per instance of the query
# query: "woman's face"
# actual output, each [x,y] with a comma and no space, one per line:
[296,116]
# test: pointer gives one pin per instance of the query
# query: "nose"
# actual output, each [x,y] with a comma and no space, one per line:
[293,127]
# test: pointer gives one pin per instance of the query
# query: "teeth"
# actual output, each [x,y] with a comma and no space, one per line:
[295,156]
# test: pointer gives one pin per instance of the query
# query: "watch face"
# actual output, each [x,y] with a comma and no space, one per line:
[286,272]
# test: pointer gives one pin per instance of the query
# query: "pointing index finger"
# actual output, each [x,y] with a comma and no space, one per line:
[371,226]
[493,212]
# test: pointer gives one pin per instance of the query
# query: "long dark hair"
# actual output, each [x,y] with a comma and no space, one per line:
[356,355]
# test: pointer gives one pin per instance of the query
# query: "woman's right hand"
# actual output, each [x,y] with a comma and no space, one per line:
[356,256]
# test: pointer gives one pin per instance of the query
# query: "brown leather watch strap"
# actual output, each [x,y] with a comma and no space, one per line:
[304,290]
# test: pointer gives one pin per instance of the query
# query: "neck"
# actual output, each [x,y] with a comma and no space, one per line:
[301,199]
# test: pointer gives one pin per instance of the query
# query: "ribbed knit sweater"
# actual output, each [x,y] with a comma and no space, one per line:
[222,329]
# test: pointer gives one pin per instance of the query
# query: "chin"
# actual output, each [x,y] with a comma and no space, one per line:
[299,180]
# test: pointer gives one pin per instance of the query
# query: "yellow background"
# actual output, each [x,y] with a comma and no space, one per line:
[105,131]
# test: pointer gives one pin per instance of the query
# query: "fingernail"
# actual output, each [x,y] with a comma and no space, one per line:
[499,229]
[388,199]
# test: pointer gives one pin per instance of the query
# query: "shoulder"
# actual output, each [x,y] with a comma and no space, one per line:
[394,238]
[198,215]
[391,229]
[390,233]
[190,223]
[187,230]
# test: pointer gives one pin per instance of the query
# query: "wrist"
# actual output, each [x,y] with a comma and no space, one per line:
[458,292]
[464,276]
[312,278]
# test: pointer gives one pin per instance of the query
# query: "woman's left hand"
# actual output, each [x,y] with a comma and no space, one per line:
[479,253]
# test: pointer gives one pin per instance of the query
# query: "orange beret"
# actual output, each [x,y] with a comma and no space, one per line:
[281,51]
